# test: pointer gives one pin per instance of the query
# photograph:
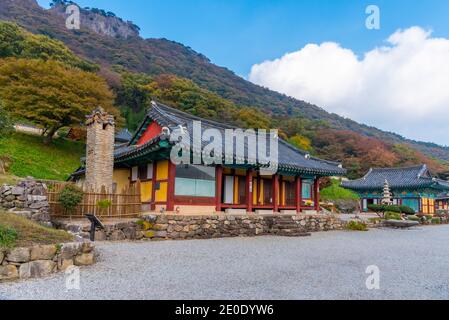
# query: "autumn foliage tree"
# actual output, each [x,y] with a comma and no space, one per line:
[51,94]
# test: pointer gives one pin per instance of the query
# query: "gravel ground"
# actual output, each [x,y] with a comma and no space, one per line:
[414,264]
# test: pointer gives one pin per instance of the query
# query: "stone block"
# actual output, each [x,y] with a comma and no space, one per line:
[85,259]
[64,264]
[19,255]
[37,269]
[236,211]
[17,191]
[8,272]
[69,250]
[43,252]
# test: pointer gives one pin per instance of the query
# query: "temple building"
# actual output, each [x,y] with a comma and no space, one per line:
[188,189]
[414,187]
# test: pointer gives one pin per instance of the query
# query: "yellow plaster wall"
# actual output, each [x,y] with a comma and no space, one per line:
[254,191]
[146,189]
[162,170]
[121,178]
[161,194]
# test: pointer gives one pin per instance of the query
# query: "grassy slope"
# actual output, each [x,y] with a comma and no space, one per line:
[30,157]
[336,192]
[32,233]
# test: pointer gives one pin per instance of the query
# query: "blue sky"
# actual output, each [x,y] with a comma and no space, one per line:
[239,33]
[320,51]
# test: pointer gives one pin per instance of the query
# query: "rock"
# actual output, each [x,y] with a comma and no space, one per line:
[38,205]
[64,264]
[130,233]
[8,272]
[43,252]
[32,198]
[100,235]
[2,255]
[69,250]
[160,227]
[87,247]
[10,198]
[19,255]
[17,191]
[148,234]
[160,234]
[117,235]
[85,259]
[36,269]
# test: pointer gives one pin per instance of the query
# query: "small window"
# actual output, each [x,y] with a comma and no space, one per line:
[195,181]
[307,190]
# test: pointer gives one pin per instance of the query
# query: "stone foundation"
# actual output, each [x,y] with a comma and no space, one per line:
[41,261]
[176,227]
[28,199]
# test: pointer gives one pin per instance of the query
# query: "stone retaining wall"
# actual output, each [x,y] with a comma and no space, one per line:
[41,261]
[28,199]
[174,227]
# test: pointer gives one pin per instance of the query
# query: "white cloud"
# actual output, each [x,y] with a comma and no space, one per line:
[402,87]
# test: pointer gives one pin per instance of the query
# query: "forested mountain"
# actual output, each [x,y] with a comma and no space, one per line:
[138,69]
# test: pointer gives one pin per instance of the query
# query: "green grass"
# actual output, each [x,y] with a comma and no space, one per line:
[30,157]
[21,232]
[336,192]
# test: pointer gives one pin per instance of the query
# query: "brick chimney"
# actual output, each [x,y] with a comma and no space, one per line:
[100,150]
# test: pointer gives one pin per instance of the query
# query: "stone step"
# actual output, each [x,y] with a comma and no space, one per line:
[293,234]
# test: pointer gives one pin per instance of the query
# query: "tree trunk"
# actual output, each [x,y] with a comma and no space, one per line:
[49,137]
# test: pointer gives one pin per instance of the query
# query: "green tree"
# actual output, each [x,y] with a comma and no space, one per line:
[16,42]
[50,94]
[6,126]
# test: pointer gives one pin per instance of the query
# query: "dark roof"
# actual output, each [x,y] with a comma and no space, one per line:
[416,177]
[123,136]
[290,158]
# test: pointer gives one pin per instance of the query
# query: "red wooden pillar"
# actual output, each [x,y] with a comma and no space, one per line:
[171,186]
[218,187]
[316,194]
[298,194]
[249,190]
[275,193]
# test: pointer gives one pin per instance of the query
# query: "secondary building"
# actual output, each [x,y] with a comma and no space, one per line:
[200,188]
[414,187]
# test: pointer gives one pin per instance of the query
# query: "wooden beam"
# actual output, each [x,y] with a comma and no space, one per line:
[218,187]
[275,193]
[171,186]
[249,190]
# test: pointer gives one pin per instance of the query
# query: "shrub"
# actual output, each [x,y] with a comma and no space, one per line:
[347,205]
[6,126]
[436,220]
[70,197]
[104,204]
[392,215]
[407,210]
[356,226]
[413,218]
[8,237]
[381,208]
